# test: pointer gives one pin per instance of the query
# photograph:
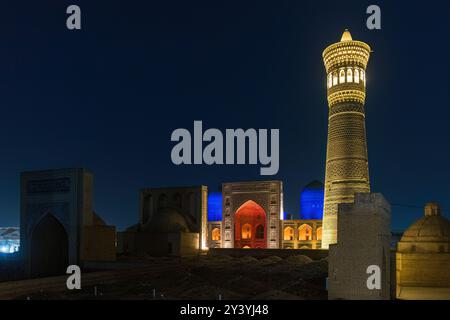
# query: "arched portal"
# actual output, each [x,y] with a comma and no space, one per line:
[147,210]
[305,232]
[250,226]
[288,234]
[246,232]
[49,248]
[215,234]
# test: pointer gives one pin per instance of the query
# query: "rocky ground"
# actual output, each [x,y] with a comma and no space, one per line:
[210,277]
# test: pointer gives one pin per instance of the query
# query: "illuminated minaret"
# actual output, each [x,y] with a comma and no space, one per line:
[347,170]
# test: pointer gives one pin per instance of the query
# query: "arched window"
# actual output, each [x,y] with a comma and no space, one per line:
[330,80]
[319,233]
[356,75]
[335,79]
[246,231]
[147,210]
[191,203]
[349,75]
[363,77]
[288,234]
[215,234]
[162,201]
[177,200]
[305,232]
[259,232]
[342,76]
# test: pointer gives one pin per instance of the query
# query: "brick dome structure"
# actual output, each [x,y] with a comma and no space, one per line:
[429,234]
[423,258]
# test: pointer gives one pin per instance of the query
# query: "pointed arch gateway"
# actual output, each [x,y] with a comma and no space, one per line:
[49,248]
[250,230]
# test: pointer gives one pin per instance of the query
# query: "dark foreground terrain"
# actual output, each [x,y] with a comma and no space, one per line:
[203,277]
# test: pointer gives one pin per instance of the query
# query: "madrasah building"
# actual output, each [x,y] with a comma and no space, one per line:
[246,215]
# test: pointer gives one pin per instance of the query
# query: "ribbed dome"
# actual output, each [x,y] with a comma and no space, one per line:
[432,227]
[314,185]
[167,220]
[428,228]
[431,233]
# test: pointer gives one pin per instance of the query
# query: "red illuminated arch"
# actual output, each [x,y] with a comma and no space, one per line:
[253,215]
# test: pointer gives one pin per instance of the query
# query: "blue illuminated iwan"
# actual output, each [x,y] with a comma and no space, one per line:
[215,206]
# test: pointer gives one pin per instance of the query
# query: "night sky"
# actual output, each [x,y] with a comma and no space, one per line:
[109,96]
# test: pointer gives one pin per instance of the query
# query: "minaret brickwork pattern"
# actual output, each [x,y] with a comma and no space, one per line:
[347,170]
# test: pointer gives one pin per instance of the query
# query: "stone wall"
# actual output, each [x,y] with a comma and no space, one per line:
[158,244]
[363,241]
[99,243]
[423,276]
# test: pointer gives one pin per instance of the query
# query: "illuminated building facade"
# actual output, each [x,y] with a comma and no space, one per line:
[347,169]
[253,217]
[251,214]
[301,234]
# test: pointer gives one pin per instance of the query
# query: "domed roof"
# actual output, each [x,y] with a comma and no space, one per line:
[314,185]
[431,228]
[97,220]
[168,220]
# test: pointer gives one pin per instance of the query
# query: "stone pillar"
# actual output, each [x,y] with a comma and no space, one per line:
[364,241]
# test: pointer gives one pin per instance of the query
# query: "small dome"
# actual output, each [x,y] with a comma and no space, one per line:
[311,201]
[167,220]
[346,36]
[314,185]
[97,220]
[428,228]
[431,231]
[133,228]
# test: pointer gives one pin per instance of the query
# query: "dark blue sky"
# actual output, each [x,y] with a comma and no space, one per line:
[108,97]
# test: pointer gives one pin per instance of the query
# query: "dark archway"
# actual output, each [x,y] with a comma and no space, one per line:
[49,248]
[147,210]
[162,201]
[250,226]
